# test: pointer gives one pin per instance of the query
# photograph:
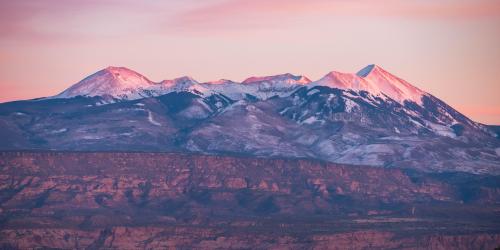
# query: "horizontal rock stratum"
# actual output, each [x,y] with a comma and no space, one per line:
[159,200]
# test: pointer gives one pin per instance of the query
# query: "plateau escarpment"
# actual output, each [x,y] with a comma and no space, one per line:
[160,200]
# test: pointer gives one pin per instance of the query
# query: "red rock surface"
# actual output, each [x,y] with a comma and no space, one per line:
[164,200]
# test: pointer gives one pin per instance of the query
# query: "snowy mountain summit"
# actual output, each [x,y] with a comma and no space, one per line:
[376,81]
[283,78]
[118,82]
[125,84]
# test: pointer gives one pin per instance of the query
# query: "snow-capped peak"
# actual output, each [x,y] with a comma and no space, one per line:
[179,82]
[391,85]
[185,83]
[376,81]
[220,81]
[113,81]
[284,78]
[185,79]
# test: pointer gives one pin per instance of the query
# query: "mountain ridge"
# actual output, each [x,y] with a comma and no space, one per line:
[375,80]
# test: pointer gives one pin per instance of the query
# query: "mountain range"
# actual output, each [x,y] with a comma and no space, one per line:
[371,117]
[350,161]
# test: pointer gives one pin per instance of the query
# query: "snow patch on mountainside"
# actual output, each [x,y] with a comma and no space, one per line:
[366,154]
[441,130]
[349,105]
[152,120]
[313,91]
[310,120]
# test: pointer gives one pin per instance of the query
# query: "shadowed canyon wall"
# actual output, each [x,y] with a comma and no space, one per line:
[161,200]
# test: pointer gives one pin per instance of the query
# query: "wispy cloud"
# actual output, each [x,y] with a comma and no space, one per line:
[46,19]
[237,14]
[75,19]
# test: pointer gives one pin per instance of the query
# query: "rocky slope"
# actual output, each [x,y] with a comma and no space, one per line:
[158,200]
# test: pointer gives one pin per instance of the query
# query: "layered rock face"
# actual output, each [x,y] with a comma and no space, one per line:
[166,200]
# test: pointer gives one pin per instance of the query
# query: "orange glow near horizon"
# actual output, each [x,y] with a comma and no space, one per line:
[449,48]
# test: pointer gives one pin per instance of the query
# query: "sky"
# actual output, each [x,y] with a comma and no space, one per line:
[449,48]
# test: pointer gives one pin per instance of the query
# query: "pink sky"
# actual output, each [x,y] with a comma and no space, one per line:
[449,48]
